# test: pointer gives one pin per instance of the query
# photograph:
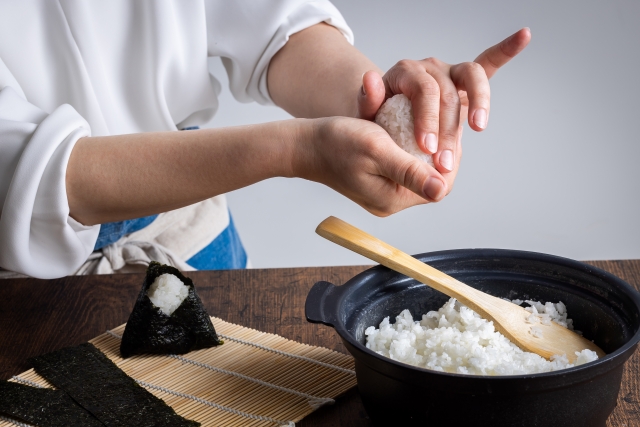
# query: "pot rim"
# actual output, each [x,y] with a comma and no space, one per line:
[628,290]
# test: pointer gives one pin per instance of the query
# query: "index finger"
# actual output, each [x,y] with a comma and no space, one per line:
[498,55]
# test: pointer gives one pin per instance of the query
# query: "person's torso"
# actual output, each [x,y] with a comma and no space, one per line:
[124,66]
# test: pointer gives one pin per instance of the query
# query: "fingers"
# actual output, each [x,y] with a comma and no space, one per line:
[371,96]
[450,177]
[449,115]
[433,88]
[411,79]
[413,174]
[496,56]
[474,79]
[358,159]
[436,106]
[471,77]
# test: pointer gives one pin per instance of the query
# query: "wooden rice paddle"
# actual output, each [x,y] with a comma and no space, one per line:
[509,319]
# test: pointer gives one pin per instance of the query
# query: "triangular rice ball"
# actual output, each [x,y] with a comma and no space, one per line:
[149,330]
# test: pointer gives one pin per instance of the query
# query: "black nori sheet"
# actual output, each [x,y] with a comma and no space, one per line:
[103,389]
[149,330]
[43,407]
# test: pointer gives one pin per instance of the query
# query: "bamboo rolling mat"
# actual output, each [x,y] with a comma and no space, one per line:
[253,379]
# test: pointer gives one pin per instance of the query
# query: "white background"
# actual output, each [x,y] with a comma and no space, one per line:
[556,170]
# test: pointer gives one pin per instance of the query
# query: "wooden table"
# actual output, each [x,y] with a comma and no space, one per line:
[38,316]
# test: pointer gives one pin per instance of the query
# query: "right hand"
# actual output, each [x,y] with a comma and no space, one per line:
[442,95]
[358,159]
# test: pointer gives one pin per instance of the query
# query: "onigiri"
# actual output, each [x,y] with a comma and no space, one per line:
[396,117]
[168,316]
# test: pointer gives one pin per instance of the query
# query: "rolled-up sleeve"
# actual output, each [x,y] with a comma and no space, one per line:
[247,34]
[37,235]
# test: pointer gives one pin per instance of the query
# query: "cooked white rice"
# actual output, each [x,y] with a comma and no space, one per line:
[396,117]
[167,293]
[456,339]
[547,312]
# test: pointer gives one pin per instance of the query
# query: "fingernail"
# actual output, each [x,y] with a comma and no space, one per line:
[446,159]
[362,80]
[480,118]
[431,142]
[432,188]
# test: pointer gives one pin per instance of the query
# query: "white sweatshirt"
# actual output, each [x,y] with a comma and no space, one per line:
[75,68]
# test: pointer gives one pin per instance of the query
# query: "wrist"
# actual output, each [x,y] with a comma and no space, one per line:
[303,134]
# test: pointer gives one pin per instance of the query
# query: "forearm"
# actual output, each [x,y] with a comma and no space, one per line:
[129,176]
[318,74]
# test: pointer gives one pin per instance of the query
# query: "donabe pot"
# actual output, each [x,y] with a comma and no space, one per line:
[603,307]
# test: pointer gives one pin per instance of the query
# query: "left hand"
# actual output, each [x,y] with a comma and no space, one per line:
[442,96]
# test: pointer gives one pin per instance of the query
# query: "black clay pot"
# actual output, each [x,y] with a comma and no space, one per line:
[603,307]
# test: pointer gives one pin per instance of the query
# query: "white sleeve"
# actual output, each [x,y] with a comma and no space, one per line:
[247,34]
[37,235]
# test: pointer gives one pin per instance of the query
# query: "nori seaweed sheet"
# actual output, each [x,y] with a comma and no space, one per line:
[149,330]
[43,407]
[100,387]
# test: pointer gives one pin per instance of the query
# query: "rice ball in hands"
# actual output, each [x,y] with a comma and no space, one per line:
[396,117]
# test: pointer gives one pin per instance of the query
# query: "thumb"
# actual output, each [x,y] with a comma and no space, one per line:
[498,55]
[371,95]
[414,174]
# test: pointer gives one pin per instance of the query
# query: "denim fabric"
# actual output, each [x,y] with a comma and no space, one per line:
[112,231]
[224,253]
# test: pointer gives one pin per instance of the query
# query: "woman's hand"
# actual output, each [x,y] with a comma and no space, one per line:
[442,96]
[358,159]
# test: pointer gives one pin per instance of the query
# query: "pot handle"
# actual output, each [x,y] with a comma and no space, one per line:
[315,308]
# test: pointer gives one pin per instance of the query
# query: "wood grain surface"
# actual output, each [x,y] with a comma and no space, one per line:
[38,316]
